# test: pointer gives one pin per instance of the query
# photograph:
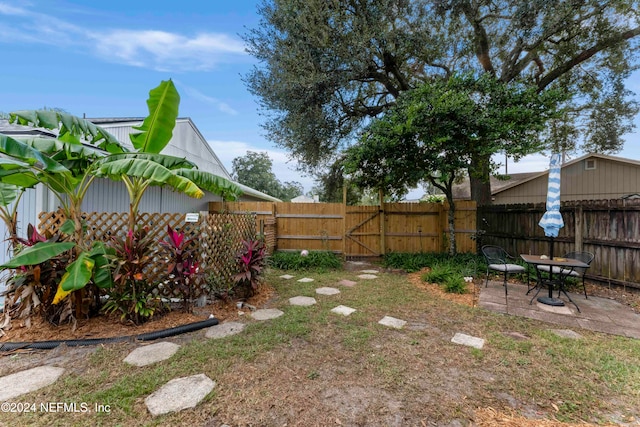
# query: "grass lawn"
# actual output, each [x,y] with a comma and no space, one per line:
[312,367]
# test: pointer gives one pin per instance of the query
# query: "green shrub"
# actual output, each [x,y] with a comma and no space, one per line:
[465,264]
[440,273]
[455,285]
[295,261]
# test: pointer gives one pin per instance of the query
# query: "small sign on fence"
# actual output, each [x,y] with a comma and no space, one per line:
[192,217]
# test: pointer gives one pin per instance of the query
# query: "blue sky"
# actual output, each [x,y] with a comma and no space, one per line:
[101,58]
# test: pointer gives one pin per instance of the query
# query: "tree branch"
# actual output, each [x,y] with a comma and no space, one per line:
[585,55]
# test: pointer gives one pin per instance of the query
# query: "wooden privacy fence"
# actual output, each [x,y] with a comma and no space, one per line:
[218,237]
[610,229]
[358,231]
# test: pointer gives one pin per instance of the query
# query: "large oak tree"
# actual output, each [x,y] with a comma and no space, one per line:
[327,66]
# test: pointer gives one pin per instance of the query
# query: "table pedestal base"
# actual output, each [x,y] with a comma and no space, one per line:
[551,301]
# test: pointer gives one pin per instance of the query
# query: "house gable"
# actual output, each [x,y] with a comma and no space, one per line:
[590,177]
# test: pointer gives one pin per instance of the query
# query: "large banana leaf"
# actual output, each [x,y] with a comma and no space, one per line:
[169,162]
[21,151]
[157,128]
[102,271]
[8,193]
[78,273]
[38,253]
[213,183]
[61,150]
[70,128]
[150,170]
[20,178]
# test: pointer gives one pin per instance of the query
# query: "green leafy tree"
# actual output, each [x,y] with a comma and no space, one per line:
[436,128]
[327,67]
[255,170]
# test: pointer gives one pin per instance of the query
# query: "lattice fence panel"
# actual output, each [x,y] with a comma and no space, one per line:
[218,238]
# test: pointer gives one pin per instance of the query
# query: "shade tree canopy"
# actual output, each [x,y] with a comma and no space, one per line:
[255,169]
[327,67]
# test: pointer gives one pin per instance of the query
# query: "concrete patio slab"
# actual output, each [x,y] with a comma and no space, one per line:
[596,314]
[224,330]
[14,385]
[344,310]
[179,394]
[266,314]
[327,291]
[302,301]
[468,340]
[152,353]
[392,322]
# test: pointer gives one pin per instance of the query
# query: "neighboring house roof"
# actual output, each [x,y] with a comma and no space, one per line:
[304,199]
[535,175]
[214,165]
[462,191]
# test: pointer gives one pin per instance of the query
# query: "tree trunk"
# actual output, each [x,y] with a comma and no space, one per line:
[479,179]
[451,216]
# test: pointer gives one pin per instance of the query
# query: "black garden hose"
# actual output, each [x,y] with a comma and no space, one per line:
[149,336]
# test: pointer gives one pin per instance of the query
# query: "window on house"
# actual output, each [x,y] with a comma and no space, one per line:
[590,164]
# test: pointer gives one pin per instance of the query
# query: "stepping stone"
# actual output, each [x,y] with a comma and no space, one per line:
[266,314]
[368,276]
[224,330]
[302,301]
[468,340]
[347,283]
[327,291]
[392,322]
[287,276]
[344,310]
[179,394]
[567,333]
[152,353]
[305,280]
[370,271]
[14,385]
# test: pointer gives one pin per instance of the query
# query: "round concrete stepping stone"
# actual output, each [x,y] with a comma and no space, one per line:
[287,276]
[266,314]
[302,301]
[370,271]
[327,291]
[305,280]
[344,310]
[468,340]
[152,353]
[368,276]
[347,283]
[392,322]
[223,330]
[567,333]
[14,385]
[179,394]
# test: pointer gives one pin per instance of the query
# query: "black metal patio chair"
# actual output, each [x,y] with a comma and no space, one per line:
[498,260]
[578,272]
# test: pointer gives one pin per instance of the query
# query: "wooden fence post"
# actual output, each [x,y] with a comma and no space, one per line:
[383,228]
[577,219]
[344,223]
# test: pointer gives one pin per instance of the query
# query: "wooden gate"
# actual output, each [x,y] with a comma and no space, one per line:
[362,231]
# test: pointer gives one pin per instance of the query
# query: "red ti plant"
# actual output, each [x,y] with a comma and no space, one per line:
[251,262]
[182,264]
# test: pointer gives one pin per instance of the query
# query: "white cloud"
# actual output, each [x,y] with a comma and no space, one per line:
[283,168]
[165,51]
[149,48]
[196,94]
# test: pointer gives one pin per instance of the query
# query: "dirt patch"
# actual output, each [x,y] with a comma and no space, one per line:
[470,298]
[111,326]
